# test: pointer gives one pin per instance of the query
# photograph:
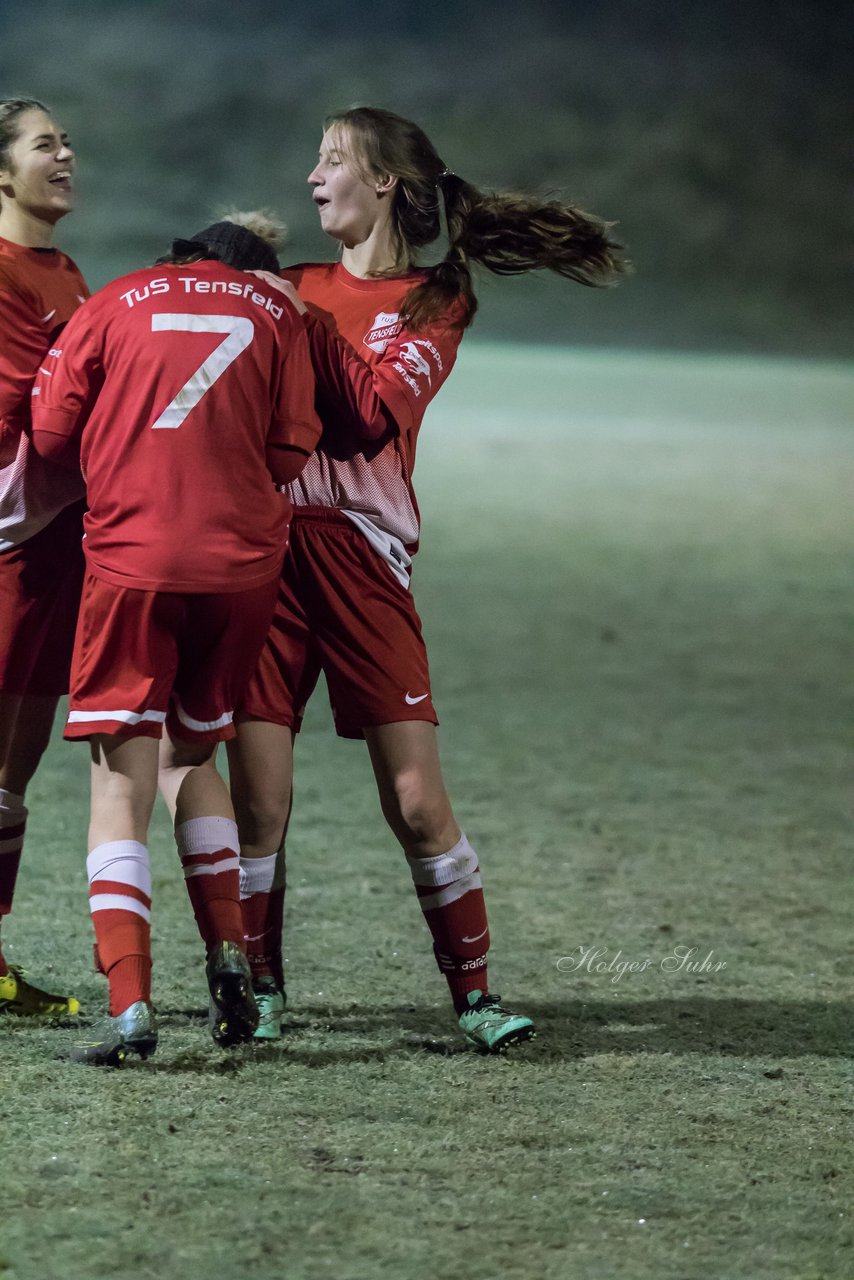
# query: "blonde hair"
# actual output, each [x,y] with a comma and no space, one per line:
[263,223]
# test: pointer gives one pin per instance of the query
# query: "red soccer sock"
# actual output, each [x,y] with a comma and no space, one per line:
[120,903]
[450,895]
[130,980]
[208,848]
[262,899]
[13,824]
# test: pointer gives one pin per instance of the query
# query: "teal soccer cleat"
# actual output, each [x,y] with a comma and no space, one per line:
[271,1008]
[490,1028]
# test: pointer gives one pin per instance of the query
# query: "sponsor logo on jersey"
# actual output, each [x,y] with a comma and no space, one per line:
[414,364]
[414,360]
[386,325]
[412,701]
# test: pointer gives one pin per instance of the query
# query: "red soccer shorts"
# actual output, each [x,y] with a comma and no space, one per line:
[40,582]
[145,658]
[340,611]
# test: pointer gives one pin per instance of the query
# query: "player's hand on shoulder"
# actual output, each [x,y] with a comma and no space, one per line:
[285,287]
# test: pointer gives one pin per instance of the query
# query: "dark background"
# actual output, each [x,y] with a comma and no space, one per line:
[716,134]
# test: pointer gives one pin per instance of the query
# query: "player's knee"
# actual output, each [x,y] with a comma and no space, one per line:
[261,818]
[415,812]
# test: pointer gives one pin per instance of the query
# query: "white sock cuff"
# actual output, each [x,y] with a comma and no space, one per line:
[206,835]
[457,863]
[450,892]
[258,875]
[12,808]
[125,861]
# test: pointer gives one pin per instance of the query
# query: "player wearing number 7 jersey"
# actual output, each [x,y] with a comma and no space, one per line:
[187,391]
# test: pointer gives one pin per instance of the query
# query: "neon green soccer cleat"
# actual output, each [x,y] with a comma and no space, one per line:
[109,1041]
[271,1008]
[491,1028]
[20,997]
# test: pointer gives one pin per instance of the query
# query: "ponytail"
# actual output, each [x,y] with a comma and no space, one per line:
[510,235]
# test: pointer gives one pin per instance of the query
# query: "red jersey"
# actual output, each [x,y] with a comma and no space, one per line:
[176,379]
[39,290]
[374,381]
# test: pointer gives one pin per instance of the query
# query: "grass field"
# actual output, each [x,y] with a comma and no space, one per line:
[636,585]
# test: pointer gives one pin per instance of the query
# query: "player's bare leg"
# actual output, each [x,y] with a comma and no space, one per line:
[190,783]
[124,787]
[445,871]
[26,722]
[405,759]
[261,768]
[25,727]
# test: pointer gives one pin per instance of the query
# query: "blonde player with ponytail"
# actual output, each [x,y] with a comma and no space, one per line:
[384,334]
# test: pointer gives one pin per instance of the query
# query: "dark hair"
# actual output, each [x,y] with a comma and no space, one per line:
[508,234]
[10,110]
[228,242]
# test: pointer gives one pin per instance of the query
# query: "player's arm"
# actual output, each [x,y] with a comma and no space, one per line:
[414,366]
[65,391]
[348,393]
[285,462]
[23,343]
[373,402]
[388,397]
[346,396]
[295,427]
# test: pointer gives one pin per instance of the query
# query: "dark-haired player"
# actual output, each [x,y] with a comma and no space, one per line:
[186,391]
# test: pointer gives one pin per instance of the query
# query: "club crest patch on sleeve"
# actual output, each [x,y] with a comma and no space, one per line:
[386,326]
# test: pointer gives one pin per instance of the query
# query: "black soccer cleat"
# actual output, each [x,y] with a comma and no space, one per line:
[233,1012]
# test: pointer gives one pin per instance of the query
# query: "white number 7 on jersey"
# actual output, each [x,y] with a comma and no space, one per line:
[240,331]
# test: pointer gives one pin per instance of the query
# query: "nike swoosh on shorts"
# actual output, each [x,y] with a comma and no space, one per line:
[412,701]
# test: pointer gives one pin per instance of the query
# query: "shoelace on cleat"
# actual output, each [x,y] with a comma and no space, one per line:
[484,1003]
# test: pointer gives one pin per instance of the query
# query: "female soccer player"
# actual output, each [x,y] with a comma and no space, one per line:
[384,336]
[185,390]
[41,509]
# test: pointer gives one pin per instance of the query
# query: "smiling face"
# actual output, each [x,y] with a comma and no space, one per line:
[36,171]
[352,203]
